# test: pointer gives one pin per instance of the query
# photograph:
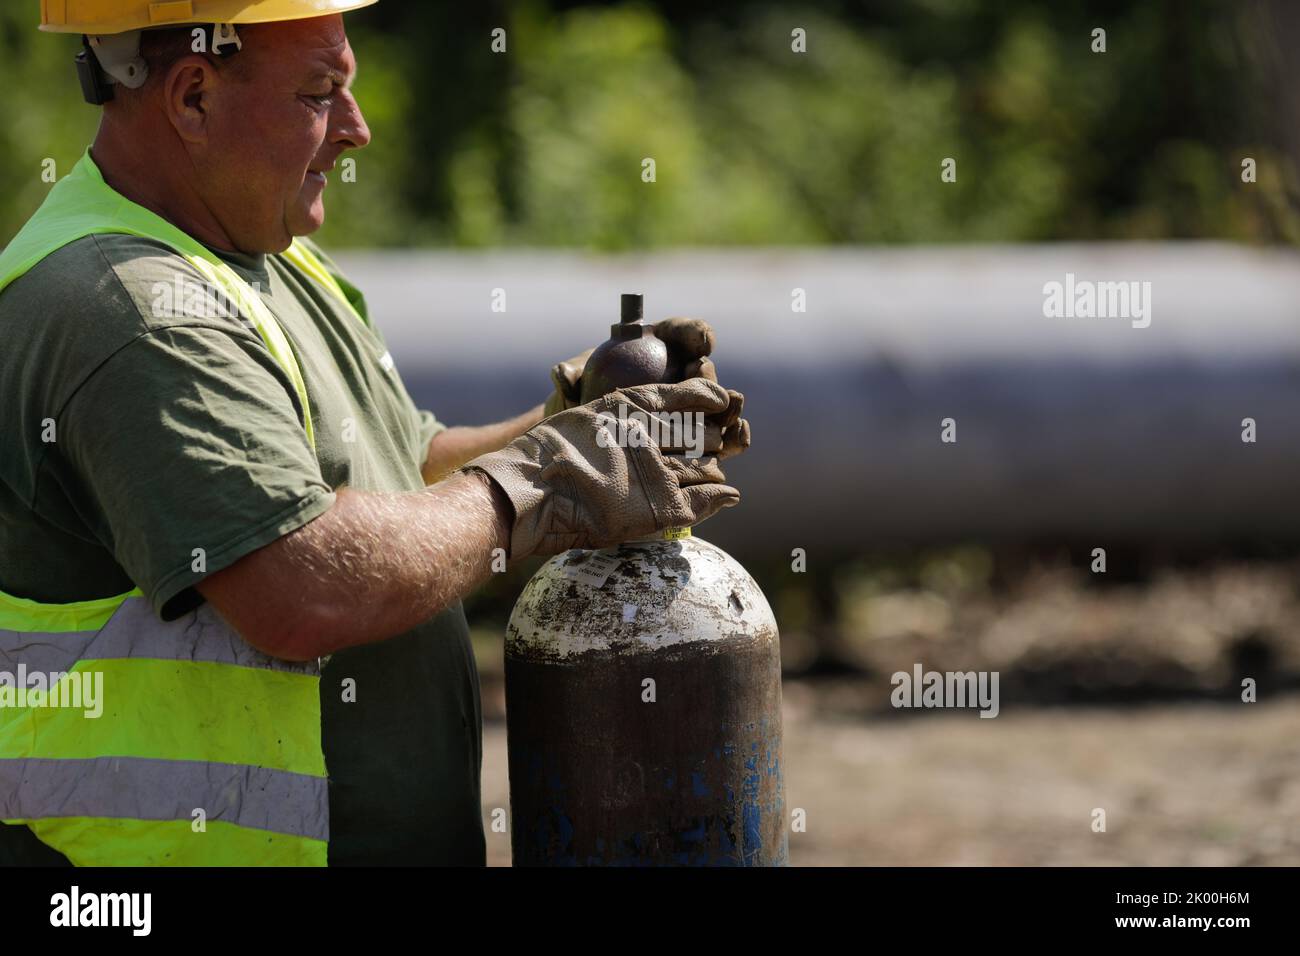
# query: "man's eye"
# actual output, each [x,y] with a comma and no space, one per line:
[322,100]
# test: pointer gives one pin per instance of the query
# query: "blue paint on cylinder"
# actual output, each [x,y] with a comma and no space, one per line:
[698,787]
[695,835]
[753,832]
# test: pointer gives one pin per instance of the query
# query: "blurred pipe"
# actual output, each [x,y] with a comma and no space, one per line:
[1077,428]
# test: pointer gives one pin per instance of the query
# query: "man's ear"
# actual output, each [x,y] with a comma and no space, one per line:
[187,96]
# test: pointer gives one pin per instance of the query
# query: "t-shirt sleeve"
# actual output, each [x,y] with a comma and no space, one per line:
[429,426]
[192,449]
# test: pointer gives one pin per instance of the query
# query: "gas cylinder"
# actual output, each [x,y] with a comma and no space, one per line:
[643,698]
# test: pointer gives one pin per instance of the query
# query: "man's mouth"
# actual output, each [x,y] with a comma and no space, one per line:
[318,175]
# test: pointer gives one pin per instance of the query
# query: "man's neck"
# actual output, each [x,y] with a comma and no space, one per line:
[152,179]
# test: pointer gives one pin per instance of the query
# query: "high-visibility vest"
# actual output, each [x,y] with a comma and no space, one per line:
[207,751]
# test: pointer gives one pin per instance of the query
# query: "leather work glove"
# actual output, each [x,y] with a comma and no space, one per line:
[689,341]
[572,487]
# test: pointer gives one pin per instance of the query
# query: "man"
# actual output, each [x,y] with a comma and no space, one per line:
[216,505]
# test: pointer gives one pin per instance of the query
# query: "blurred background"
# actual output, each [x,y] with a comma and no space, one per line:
[779,172]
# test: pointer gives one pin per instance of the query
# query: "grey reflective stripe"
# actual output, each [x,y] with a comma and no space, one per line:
[134,631]
[139,789]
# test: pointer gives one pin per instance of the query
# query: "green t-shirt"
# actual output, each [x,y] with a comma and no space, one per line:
[173,430]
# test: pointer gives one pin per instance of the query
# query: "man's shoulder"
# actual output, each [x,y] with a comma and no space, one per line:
[112,277]
[91,297]
[350,291]
[92,300]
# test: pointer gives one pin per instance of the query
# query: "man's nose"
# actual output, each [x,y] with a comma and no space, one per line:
[349,126]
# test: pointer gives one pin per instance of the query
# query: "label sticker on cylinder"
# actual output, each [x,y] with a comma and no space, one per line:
[594,571]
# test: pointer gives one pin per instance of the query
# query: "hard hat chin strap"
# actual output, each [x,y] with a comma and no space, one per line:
[107,60]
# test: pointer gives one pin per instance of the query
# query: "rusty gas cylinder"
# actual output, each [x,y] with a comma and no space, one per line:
[643,702]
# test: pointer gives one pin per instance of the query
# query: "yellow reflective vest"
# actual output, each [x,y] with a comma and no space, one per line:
[204,751]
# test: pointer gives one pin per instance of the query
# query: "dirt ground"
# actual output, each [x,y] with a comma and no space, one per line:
[1181,785]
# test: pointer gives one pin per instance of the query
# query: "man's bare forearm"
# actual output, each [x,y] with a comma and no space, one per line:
[373,566]
[453,447]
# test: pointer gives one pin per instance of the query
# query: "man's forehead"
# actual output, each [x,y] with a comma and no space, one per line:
[320,44]
[333,58]
[337,66]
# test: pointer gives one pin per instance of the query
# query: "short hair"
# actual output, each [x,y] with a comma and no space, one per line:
[160,48]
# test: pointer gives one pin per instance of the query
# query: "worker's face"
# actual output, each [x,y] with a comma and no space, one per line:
[279,119]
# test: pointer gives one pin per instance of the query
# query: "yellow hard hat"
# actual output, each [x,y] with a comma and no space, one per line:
[106,17]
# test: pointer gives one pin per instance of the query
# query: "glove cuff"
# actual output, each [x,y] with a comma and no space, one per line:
[518,474]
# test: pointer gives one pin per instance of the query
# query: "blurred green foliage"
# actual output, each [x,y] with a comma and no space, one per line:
[756,144]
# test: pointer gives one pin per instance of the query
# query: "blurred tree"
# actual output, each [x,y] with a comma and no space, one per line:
[755,144]
[44,118]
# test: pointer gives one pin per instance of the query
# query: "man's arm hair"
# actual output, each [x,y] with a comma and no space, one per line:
[373,566]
